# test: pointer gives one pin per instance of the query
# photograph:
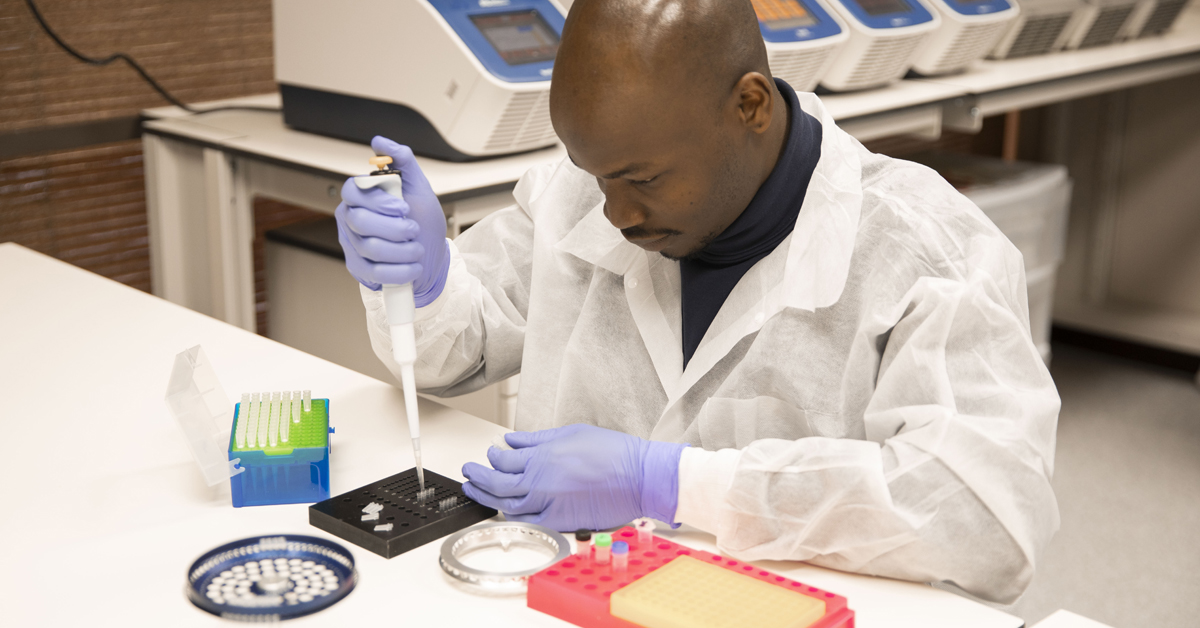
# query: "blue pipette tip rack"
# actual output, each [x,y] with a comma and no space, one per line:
[295,472]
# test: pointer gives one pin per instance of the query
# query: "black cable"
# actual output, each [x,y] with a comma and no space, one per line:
[37,15]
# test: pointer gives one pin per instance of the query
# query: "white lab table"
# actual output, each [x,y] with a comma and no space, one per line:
[105,510]
[1067,619]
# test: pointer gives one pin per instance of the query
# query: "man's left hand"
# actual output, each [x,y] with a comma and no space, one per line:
[578,476]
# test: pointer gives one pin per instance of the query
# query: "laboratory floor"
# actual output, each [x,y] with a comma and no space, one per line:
[1127,477]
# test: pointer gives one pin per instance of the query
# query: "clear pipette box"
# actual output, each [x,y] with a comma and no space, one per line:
[292,472]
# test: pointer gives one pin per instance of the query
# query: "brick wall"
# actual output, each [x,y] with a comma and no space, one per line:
[198,49]
[86,205]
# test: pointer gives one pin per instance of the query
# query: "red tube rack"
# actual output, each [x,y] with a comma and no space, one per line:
[578,591]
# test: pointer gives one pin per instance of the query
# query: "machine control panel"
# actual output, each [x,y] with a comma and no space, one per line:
[888,13]
[794,20]
[978,7]
[515,40]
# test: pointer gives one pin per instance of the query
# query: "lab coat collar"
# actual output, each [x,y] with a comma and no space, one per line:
[815,270]
[596,241]
[818,256]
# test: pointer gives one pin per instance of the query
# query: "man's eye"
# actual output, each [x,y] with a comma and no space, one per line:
[644,181]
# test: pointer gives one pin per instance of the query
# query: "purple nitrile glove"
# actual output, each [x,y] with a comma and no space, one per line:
[388,240]
[578,476]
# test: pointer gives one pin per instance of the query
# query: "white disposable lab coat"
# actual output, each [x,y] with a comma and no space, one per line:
[868,398]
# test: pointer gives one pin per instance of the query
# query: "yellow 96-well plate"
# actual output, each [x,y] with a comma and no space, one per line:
[689,593]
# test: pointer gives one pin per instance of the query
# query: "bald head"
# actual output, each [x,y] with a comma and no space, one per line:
[671,106]
[701,47]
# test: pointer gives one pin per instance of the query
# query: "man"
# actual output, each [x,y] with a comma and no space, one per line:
[734,317]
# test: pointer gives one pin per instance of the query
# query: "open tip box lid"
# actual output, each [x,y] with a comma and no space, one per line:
[204,413]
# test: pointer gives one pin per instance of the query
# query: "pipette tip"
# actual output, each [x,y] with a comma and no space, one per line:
[420,467]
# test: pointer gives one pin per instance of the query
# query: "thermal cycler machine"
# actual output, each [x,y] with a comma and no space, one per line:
[454,79]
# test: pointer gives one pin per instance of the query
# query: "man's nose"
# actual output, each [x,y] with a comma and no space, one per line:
[620,210]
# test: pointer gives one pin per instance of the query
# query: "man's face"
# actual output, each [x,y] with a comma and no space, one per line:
[669,174]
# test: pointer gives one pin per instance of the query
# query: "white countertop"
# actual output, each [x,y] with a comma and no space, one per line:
[263,134]
[105,510]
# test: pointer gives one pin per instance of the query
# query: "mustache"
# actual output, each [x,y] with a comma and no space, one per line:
[639,233]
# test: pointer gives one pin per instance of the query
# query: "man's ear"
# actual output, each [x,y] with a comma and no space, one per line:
[755,101]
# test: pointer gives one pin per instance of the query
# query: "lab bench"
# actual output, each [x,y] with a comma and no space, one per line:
[108,528]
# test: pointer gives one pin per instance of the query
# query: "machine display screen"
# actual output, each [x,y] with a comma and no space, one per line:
[519,36]
[780,15]
[884,7]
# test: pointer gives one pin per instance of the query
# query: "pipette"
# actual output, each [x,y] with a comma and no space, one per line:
[398,302]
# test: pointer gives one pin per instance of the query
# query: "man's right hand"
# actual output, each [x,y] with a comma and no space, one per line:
[388,240]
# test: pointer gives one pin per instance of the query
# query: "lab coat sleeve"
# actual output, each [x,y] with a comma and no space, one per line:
[952,482]
[473,333]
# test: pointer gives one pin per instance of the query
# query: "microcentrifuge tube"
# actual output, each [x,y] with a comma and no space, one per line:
[583,543]
[296,407]
[603,546]
[620,556]
[308,401]
[645,531]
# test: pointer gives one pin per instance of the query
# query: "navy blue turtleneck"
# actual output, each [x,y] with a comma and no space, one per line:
[708,276]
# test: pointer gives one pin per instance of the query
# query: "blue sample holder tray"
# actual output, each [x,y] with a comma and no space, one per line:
[274,471]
